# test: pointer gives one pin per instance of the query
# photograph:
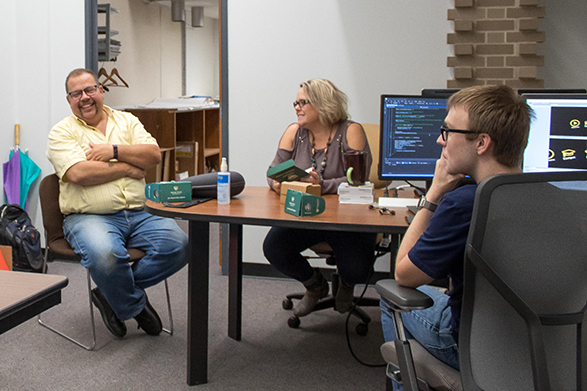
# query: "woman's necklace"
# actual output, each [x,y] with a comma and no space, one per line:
[323,164]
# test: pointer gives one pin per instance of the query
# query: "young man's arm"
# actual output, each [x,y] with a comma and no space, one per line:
[406,273]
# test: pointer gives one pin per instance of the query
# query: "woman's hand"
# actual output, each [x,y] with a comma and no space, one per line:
[277,187]
[314,177]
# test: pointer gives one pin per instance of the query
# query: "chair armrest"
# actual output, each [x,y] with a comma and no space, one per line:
[402,297]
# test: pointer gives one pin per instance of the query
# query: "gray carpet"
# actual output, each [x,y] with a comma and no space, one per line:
[271,356]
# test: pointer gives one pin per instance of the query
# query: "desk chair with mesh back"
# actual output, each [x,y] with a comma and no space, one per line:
[323,251]
[524,296]
[57,245]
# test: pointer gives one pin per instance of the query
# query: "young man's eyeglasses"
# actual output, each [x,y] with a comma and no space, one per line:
[445,130]
[77,94]
[301,103]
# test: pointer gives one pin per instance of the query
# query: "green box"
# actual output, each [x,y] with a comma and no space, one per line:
[303,204]
[169,191]
[286,171]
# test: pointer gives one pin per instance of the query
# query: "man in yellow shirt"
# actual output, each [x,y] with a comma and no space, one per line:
[101,156]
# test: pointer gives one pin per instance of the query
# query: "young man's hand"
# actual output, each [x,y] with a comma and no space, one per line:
[442,183]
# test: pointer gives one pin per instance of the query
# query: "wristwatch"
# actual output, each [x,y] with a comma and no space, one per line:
[425,204]
[115,150]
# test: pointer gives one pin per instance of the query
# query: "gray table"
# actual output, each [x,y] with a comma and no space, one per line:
[25,295]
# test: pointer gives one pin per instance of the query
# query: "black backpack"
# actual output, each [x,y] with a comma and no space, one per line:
[17,230]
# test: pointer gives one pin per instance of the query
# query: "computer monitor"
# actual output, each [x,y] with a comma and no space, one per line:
[438,92]
[558,91]
[558,134]
[409,128]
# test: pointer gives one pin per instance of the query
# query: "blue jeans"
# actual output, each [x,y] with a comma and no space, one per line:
[430,327]
[101,241]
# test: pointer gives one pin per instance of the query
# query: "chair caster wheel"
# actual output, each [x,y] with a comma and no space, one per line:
[293,322]
[362,329]
[287,304]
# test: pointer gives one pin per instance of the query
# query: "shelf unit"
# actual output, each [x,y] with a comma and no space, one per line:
[108,48]
[177,131]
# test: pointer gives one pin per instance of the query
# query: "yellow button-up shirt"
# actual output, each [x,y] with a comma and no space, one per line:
[69,140]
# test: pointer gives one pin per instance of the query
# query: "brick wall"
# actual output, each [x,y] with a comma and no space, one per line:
[496,42]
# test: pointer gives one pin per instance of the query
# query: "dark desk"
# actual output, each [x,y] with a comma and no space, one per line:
[24,295]
[254,206]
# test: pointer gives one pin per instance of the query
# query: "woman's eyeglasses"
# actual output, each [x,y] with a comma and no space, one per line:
[301,103]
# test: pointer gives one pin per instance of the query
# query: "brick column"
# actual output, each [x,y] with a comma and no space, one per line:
[496,42]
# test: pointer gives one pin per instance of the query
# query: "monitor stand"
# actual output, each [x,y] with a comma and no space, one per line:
[395,201]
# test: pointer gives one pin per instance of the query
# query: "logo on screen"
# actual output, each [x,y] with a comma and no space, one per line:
[568,154]
[575,124]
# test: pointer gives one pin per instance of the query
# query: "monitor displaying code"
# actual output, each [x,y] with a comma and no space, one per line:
[410,127]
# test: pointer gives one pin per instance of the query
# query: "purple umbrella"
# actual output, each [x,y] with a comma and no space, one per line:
[19,173]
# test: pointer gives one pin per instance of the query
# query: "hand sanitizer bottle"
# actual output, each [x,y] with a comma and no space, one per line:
[223,184]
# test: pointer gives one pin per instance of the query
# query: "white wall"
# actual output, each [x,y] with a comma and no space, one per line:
[150,58]
[41,41]
[366,48]
[202,58]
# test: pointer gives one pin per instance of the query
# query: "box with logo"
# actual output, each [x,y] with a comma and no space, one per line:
[286,171]
[304,187]
[169,191]
[303,204]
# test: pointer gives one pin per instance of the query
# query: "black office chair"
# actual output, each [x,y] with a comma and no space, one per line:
[525,292]
[323,251]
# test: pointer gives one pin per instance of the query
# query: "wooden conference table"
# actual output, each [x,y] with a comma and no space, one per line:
[24,295]
[254,206]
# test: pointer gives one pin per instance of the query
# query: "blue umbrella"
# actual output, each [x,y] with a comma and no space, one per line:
[19,173]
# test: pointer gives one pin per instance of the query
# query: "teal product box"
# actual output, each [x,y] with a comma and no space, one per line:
[303,204]
[286,171]
[169,191]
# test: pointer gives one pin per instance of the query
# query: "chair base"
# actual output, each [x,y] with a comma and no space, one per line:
[329,302]
[92,346]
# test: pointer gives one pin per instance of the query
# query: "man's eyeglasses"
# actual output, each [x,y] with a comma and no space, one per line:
[301,103]
[444,131]
[77,94]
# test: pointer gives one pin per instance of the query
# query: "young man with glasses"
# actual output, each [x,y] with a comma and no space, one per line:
[101,156]
[485,134]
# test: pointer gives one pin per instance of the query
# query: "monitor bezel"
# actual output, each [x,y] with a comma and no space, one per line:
[438,92]
[427,178]
[552,91]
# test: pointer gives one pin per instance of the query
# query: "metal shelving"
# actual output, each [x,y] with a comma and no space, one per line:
[108,48]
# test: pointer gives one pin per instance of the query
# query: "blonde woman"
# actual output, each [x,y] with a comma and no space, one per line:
[322,133]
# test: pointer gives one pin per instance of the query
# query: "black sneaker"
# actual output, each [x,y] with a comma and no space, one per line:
[148,320]
[113,324]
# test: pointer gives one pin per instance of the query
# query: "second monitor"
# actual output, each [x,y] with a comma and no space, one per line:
[410,126]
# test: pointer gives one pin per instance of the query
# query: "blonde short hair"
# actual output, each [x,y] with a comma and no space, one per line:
[330,102]
[501,113]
